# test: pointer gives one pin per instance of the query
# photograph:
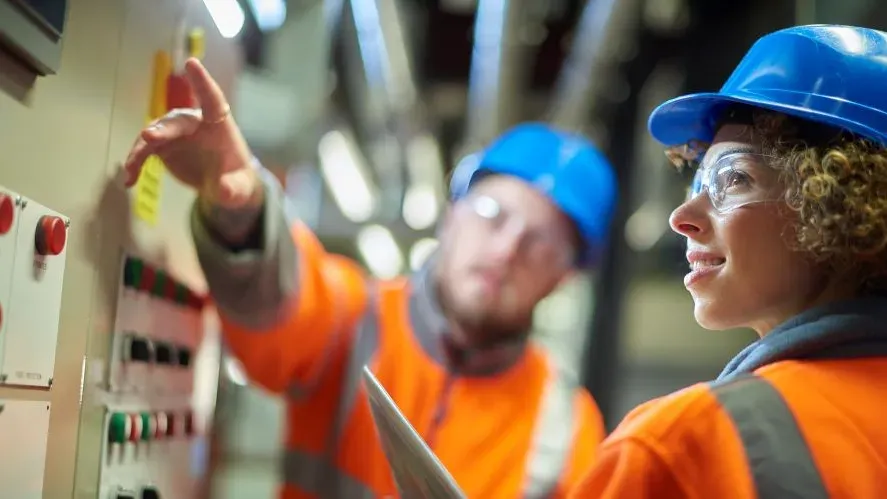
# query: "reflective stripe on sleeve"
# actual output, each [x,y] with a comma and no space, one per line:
[779,459]
[315,475]
[552,438]
[318,474]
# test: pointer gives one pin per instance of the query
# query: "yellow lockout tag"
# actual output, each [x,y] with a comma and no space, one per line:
[146,202]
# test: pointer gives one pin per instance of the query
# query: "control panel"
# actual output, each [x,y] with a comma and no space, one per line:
[150,425]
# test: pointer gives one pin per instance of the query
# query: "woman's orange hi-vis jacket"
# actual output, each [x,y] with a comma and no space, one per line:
[303,323]
[800,414]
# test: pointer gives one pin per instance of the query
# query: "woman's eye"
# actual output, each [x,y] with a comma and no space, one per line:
[736,179]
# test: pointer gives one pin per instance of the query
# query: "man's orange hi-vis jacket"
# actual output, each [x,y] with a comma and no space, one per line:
[303,323]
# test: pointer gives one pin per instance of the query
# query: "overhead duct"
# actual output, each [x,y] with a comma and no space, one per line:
[496,68]
[385,96]
[602,36]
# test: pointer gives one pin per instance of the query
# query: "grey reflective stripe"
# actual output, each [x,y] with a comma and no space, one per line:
[553,436]
[318,474]
[366,341]
[311,474]
[779,460]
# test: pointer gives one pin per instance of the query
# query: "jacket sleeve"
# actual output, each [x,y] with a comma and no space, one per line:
[629,468]
[589,435]
[288,309]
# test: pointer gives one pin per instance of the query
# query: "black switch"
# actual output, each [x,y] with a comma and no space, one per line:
[165,353]
[125,495]
[137,349]
[150,493]
[184,357]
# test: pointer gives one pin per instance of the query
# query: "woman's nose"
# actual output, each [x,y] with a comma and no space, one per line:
[690,219]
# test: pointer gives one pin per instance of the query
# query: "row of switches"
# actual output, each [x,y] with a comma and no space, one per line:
[145,350]
[143,277]
[147,426]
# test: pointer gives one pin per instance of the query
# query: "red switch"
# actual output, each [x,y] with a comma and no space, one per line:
[51,235]
[169,289]
[135,427]
[189,424]
[170,424]
[7,213]
[161,428]
[149,277]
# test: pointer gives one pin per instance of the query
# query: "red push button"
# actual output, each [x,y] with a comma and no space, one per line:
[51,235]
[7,213]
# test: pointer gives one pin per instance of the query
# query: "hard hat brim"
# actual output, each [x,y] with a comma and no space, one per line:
[694,117]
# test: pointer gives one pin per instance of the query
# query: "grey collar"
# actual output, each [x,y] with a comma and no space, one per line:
[848,329]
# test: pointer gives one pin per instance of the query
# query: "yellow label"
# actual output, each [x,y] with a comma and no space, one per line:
[146,202]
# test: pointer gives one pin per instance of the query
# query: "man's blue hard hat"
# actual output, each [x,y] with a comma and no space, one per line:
[834,75]
[565,166]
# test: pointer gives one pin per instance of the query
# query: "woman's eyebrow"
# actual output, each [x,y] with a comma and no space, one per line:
[737,149]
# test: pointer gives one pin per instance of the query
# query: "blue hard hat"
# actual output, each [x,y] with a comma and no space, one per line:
[566,167]
[834,75]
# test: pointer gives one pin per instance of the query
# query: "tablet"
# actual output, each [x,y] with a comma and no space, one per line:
[418,473]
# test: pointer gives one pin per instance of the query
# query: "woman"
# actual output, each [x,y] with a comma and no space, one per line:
[786,228]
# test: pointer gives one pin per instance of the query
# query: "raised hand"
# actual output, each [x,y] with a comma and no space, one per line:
[202,148]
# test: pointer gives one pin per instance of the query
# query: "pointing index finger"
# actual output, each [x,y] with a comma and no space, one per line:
[212,99]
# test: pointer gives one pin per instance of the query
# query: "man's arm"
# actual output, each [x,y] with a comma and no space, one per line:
[287,307]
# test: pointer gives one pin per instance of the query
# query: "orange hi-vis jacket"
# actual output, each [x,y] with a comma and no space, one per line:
[800,414]
[303,323]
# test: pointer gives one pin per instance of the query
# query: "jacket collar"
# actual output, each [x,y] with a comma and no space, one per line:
[848,329]
[432,330]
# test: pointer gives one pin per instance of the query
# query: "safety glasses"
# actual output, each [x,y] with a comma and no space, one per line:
[736,180]
[538,245]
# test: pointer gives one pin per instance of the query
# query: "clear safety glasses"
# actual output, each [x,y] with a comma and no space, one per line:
[736,180]
[539,245]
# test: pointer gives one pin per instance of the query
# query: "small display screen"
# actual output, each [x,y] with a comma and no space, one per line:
[49,13]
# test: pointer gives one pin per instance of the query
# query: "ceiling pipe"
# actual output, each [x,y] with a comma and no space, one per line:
[603,31]
[493,87]
[385,95]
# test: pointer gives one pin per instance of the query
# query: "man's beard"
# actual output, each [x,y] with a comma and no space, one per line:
[484,329]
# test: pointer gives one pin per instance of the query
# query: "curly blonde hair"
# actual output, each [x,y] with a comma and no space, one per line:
[836,183]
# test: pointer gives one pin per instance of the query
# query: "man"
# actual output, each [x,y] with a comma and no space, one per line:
[449,344]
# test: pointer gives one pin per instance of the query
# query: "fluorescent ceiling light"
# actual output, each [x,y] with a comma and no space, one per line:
[420,207]
[380,251]
[343,170]
[421,250]
[269,14]
[227,15]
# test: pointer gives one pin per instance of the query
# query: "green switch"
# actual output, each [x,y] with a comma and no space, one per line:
[147,427]
[118,428]
[132,272]
[159,283]
[181,294]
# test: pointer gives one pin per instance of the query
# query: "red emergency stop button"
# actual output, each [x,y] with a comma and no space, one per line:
[7,213]
[51,235]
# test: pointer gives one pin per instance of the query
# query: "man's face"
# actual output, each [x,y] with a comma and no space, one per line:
[504,247]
